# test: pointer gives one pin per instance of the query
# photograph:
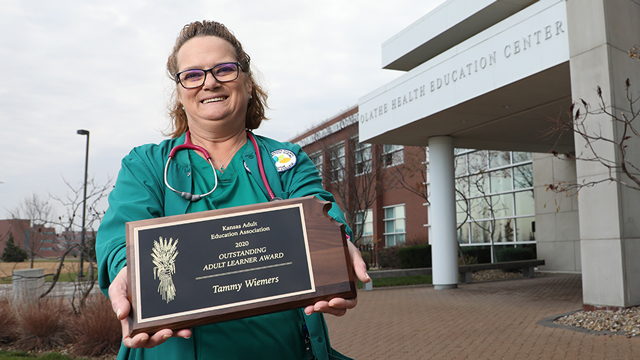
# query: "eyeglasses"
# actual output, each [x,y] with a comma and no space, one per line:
[193,78]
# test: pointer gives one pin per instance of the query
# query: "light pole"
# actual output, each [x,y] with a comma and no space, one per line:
[84,201]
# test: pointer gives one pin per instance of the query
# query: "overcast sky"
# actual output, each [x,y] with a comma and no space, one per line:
[100,66]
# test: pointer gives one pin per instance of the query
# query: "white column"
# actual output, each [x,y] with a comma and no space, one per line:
[444,250]
[600,34]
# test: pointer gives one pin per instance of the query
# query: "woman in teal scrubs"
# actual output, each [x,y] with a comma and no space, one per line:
[215,103]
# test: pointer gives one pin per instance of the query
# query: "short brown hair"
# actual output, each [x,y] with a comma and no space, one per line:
[258,101]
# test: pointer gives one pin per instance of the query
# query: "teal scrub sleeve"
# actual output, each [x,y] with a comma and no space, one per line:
[304,180]
[137,195]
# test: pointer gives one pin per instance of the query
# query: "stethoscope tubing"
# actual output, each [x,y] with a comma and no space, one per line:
[189,145]
[272,196]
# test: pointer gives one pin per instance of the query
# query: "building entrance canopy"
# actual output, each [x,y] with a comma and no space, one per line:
[498,89]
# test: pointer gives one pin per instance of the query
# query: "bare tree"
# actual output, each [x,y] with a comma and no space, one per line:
[70,224]
[356,177]
[481,209]
[617,164]
[412,175]
[39,213]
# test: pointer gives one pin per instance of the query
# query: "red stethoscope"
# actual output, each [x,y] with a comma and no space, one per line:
[189,145]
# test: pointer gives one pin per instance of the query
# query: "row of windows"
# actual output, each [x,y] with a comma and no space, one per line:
[495,200]
[392,155]
[510,204]
[469,162]
[501,230]
[512,178]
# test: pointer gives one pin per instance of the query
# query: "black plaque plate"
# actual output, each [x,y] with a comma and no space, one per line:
[219,265]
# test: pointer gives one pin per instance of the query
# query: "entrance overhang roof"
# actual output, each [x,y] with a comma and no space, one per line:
[499,89]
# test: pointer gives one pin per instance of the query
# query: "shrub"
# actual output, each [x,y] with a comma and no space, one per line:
[13,253]
[366,256]
[388,258]
[515,253]
[8,332]
[417,256]
[481,254]
[98,329]
[468,260]
[44,326]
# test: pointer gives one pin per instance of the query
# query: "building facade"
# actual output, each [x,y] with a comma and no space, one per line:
[41,241]
[489,75]
[366,181]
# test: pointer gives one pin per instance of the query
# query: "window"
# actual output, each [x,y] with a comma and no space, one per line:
[523,176]
[337,162]
[495,197]
[392,155]
[521,157]
[525,229]
[316,158]
[478,162]
[394,225]
[480,232]
[363,157]
[364,226]
[500,180]
[460,165]
[499,159]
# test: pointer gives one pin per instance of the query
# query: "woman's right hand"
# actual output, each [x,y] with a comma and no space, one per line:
[122,307]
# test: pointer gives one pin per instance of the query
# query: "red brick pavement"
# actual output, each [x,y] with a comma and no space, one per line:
[488,320]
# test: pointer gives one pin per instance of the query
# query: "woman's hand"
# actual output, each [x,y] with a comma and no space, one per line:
[122,307]
[339,306]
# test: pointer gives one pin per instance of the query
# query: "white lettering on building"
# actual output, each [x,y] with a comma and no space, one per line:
[459,74]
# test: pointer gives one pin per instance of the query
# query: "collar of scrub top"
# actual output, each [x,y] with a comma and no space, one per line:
[189,145]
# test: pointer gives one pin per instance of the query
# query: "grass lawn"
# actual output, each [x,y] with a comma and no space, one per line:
[400,281]
[68,273]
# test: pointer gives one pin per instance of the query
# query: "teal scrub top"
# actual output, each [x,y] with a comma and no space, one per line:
[140,193]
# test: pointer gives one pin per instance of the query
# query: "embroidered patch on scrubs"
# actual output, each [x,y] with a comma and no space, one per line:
[284,159]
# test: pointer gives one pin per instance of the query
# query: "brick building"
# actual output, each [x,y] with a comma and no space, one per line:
[364,179]
[42,240]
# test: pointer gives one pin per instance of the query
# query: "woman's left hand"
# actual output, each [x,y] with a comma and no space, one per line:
[339,306]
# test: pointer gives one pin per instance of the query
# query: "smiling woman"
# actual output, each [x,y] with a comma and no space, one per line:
[257,97]
[216,105]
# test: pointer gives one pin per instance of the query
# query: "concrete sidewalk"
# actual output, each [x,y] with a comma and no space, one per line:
[489,320]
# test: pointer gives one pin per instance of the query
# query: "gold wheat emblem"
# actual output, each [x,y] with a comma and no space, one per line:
[164,258]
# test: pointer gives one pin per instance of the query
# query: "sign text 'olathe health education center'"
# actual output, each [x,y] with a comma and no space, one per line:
[504,58]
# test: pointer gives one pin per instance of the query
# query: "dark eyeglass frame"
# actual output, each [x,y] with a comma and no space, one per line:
[204,79]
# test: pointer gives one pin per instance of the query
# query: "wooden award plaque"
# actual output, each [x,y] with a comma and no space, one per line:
[195,269]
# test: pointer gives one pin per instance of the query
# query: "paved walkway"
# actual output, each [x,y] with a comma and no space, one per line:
[488,320]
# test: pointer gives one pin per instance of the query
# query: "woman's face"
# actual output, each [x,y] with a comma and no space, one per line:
[213,103]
